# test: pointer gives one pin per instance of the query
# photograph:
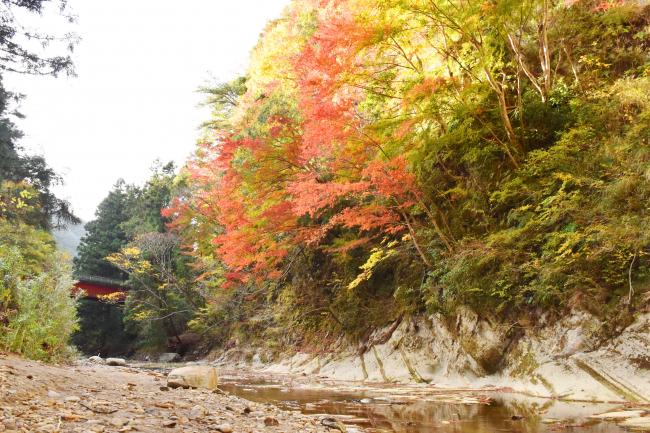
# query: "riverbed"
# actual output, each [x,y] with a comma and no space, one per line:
[377,407]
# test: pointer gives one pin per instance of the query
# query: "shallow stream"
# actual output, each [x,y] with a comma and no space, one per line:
[419,409]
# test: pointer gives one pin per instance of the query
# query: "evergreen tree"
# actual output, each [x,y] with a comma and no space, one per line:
[146,202]
[104,236]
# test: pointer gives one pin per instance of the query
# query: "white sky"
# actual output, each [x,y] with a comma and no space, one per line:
[139,63]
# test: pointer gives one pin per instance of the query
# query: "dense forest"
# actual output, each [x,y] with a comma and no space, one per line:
[382,159]
[130,244]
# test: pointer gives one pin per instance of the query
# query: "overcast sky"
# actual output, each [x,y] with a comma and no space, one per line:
[139,63]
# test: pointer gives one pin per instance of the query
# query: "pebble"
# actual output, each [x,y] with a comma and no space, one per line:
[198,411]
[119,422]
[116,362]
[270,421]
[53,394]
[169,424]
[224,428]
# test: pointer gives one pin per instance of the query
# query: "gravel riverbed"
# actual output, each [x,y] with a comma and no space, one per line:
[84,398]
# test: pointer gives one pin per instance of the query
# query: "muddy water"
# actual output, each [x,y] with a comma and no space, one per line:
[419,410]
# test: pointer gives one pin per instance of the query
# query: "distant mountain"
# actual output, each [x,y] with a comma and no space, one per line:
[68,239]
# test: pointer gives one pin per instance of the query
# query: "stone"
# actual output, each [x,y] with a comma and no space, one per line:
[197,412]
[269,421]
[116,362]
[97,360]
[119,422]
[169,423]
[196,376]
[169,357]
[224,428]
[94,425]
[333,423]
[53,394]
[70,417]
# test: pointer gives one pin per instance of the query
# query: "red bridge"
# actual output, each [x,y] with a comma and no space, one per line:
[98,288]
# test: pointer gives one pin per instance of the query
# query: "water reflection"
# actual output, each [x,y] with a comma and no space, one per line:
[422,410]
[413,409]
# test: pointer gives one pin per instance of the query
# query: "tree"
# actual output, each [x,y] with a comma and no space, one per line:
[15,166]
[162,296]
[222,99]
[37,311]
[129,240]
[27,51]
[145,203]
[159,292]
[105,235]
[399,156]
[19,44]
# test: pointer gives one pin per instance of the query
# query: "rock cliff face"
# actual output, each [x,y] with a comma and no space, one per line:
[564,360]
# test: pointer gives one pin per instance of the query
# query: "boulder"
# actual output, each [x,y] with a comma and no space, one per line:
[169,357]
[116,362]
[97,360]
[195,376]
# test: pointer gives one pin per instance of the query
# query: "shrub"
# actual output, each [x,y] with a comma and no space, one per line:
[37,308]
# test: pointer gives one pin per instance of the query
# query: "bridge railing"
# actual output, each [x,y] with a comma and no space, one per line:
[111,282]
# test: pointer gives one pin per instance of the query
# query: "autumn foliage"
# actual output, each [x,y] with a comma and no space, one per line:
[420,149]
